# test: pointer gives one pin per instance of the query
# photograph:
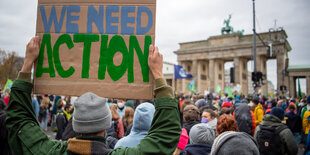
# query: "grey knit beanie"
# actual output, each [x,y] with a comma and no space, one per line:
[202,133]
[91,114]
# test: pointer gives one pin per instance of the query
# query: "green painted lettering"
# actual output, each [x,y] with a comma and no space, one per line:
[117,44]
[143,58]
[87,39]
[103,58]
[46,42]
[64,38]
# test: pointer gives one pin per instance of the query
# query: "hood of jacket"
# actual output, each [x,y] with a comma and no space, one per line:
[141,124]
[198,149]
[271,120]
[143,117]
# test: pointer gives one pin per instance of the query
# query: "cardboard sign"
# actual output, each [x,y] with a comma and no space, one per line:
[98,46]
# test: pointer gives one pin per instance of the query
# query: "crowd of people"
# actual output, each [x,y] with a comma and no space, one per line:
[170,124]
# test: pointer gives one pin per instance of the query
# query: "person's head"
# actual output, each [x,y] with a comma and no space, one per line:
[278,112]
[68,107]
[191,112]
[255,101]
[92,116]
[186,102]
[45,102]
[232,142]
[226,123]
[128,116]
[200,103]
[291,108]
[202,134]
[114,112]
[226,111]
[121,103]
[143,117]
[208,114]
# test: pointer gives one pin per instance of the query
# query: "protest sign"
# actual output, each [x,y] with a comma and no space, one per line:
[98,46]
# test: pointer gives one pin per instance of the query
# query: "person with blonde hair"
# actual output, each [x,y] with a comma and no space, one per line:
[117,122]
[44,113]
[128,119]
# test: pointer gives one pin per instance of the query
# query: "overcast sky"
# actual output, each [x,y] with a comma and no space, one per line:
[184,20]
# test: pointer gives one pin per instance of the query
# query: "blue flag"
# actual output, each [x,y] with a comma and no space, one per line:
[180,73]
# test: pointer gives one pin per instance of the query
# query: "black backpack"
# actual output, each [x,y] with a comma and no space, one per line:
[269,141]
[42,111]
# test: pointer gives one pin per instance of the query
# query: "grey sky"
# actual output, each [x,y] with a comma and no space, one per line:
[183,20]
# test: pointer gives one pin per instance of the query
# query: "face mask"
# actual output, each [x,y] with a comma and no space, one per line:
[204,120]
[120,105]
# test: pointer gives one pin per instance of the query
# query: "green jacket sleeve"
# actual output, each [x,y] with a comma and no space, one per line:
[25,135]
[164,134]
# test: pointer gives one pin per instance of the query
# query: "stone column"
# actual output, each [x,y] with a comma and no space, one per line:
[308,85]
[281,66]
[211,75]
[199,70]
[292,86]
[237,70]
[262,67]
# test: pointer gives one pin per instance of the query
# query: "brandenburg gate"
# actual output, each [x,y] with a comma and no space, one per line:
[205,59]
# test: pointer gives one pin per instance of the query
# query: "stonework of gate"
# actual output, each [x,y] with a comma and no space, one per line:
[295,72]
[205,59]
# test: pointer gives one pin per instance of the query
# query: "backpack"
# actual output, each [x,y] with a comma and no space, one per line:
[269,140]
[42,111]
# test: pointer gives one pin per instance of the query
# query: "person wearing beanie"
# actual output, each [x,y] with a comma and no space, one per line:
[232,142]
[91,117]
[141,124]
[288,145]
[258,111]
[201,137]
[182,142]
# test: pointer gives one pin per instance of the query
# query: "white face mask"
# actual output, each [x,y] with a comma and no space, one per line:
[120,105]
[308,107]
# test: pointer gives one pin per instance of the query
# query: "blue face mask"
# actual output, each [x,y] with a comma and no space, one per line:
[204,120]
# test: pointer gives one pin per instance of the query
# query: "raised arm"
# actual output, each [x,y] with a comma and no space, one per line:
[164,134]
[25,135]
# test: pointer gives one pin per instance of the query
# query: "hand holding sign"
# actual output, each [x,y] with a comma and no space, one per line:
[32,53]
[155,62]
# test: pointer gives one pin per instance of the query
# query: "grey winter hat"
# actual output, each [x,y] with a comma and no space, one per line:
[231,142]
[202,133]
[91,114]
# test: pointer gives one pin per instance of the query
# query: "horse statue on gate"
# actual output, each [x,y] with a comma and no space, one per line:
[228,29]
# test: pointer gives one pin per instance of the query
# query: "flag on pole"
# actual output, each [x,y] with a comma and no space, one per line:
[218,89]
[299,89]
[8,84]
[180,73]
[191,86]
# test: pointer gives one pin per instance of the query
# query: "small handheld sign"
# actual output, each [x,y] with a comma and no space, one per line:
[95,45]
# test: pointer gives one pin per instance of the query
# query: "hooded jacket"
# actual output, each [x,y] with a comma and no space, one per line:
[243,117]
[289,146]
[141,124]
[258,114]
